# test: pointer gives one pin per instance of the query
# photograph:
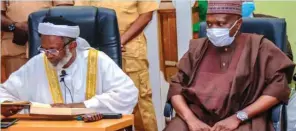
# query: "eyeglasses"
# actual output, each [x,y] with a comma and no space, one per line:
[49,51]
[52,51]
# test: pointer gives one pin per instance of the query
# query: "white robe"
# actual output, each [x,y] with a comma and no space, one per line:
[115,92]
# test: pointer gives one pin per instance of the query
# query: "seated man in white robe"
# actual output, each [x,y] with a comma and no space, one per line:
[69,73]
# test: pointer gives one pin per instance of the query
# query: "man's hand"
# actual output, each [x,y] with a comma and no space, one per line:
[229,124]
[182,109]
[91,117]
[136,28]
[20,34]
[23,26]
[196,125]
[195,35]
[122,48]
[7,111]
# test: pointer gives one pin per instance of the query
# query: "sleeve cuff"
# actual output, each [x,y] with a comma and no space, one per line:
[91,103]
[173,90]
[2,100]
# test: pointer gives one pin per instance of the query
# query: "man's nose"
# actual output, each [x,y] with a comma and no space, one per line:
[215,26]
[49,55]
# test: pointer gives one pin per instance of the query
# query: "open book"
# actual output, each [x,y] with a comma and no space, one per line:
[46,109]
[60,111]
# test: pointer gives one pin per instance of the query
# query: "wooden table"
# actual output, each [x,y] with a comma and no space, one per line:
[29,123]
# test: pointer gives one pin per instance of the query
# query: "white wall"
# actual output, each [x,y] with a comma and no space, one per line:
[184,34]
[184,25]
[151,33]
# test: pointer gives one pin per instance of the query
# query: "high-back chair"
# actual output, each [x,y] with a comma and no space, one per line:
[273,29]
[97,25]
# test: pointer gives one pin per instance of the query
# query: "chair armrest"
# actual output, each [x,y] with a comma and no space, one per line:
[279,117]
[168,112]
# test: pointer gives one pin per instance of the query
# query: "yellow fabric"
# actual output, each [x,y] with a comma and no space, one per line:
[92,69]
[54,85]
[127,12]
[147,6]
[53,82]
[145,119]
[11,64]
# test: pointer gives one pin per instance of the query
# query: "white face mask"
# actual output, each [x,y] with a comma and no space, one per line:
[220,36]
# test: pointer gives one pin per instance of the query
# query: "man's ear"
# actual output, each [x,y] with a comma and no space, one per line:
[236,27]
[73,45]
[239,23]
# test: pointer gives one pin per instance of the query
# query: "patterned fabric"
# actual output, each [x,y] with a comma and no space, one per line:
[224,7]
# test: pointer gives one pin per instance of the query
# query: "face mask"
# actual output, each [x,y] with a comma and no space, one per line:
[248,9]
[220,36]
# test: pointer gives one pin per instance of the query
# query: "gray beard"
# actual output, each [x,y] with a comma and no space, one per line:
[64,61]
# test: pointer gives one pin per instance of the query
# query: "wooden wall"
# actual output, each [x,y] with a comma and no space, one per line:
[168,39]
[168,48]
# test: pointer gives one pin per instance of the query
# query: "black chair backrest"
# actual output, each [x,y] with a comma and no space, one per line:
[273,29]
[97,25]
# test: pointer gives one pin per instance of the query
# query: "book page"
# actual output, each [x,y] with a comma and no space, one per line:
[40,105]
[16,103]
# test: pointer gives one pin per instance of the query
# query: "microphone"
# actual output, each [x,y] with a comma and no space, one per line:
[63,74]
